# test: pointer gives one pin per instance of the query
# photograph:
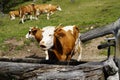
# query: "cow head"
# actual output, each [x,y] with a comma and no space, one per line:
[29,34]
[48,36]
[59,8]
[34,33]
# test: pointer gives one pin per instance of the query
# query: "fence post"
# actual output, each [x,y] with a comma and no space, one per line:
[117,40]
[117,53]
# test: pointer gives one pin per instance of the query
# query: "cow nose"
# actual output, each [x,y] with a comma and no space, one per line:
[41,42]
[42,46]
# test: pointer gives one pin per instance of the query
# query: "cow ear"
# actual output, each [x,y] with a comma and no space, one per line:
[76,27]
[34,31]
[36,27]
[59,33]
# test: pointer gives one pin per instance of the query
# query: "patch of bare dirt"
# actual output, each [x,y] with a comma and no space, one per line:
[90,51]
[18,49]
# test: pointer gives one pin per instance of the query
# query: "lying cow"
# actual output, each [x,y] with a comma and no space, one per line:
[49,9]
[13,14]
[61,42]
[26,10]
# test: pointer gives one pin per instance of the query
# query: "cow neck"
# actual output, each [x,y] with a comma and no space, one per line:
[57,45]
[38,35]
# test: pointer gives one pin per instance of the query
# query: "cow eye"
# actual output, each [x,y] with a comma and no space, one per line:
[50,34]
[29,32]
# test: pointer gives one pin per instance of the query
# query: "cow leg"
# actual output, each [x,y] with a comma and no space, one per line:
[80,53]
[52,13]
[58,55]
[36,17]
[63,57]
[68,57]
[37,13]
[48,16]
[31,17]
[47,56]
[12,17]
[22,19]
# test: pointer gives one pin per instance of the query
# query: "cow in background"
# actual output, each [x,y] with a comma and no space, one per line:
[25,11]
[13,14]
[49,9]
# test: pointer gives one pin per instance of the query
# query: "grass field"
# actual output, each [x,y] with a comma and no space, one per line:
[84,13]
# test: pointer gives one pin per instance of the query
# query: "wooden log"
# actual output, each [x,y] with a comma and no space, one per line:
[41,61]
[99,32]
[80,72]
[26,71]
[10,70]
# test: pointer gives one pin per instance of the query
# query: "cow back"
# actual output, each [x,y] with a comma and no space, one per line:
[64,40]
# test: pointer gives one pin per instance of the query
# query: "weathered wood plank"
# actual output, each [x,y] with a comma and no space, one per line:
[101,31]
[12,70]
[41,61]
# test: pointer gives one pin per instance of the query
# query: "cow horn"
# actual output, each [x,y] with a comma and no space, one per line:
[36,27]
[31,27]
[59,25]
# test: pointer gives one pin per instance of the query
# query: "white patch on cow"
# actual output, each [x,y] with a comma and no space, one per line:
[29,36]
[66,28]
[59,8]
[48,37]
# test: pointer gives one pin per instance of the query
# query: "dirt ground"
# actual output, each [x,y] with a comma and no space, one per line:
[90,51]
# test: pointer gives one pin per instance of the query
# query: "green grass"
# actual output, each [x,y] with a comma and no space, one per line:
[84,13]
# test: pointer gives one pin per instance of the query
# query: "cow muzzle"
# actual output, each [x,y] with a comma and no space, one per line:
[42,46]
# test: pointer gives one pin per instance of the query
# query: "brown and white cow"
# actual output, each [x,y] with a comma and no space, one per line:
[26,10]
[13,14]
[63,42]
[49,9]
